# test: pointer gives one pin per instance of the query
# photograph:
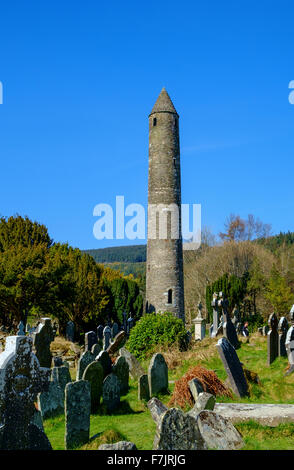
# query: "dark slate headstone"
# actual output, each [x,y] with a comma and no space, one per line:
[272,339]
[143,388]
[61,376]
[114,330]
[90,340]
[77,413]
[42,338]
[121,370]
[229,331]
[100,332]
[94,374]
[282,329]
[111,393]
[70,331]
[85,359]
[96,349]
[105,361]
[233,367]
[106,337]
[157,374]
[57,361]
[289,344]
[215,323]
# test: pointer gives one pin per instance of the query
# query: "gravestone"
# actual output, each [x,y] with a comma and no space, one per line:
[114,330]
[105,361]
[90,340]
[57,361]
[21,379]
[265,330]
[157,375]
[233,367]
[117,342]
[70,331]
[218,432]
[42,338]
[177,431]
[106,337]
[51,402]
[111,393]
[21,329]
[215,323]
[121,445]
[100,332]
[94,374]
[289,344]
[196,388]
[236,316]
[96,349]
[136,370]
[77,413]
[199,325]
[121,370]
[85,359]
[282,329]
[272,339]
[143,388]
[229,329]
[61,376]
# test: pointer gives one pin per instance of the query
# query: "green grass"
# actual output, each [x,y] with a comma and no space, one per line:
[133,421]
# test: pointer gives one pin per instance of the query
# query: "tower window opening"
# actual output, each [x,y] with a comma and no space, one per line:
[154,121]
[170,296]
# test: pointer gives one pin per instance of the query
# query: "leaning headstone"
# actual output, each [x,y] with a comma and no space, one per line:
[51,402]
[143,388]
[289,344]
[70,331]
[21,379]
[85,359]
[157,374]
[196,388]
[90,340]
[218,432]
[121,370]
[61,376]
[282,329]
[177,431]
[21,329]
[94,374]
[105,361]
[117,342]
[205,401]
[233,367]
[272,339]
[106,337]
[100,332]
[42,338]
[121,445]
[111,393]
[77,413]
[156,408]
[136,370]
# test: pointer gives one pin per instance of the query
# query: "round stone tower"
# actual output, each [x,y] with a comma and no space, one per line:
[164,266]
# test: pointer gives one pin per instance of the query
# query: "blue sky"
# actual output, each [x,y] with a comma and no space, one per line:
[80,78]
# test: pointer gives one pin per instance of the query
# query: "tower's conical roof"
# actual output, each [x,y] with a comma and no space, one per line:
[163,104]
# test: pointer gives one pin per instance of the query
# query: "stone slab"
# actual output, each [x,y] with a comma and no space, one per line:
[265,414]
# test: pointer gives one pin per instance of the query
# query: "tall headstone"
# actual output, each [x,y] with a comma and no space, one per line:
[105,361]
[229,330]
[121,370]
[289,344]
[106,337]
[232,367]
[157,375]
[143,388]
[282,329]
[21,379]
[94,374]
[90,340]
[100,332]
[70,331]
[77,413]
[214,305]
[114,330]
[85,359]
[61,376]
[42,338]
[272,339]
[199,324]
[111,393]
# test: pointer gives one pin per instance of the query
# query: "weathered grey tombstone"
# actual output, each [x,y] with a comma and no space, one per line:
[42,338]
[106,337]
[218,432]
[100,332]
[157,375]
[21,329]
[121,370]
[61,376]
[282,329]
[85,359]
[117,342]
[121,445]
[199,325]
[289,344]
[111,393]
[177,431]
[96,349]
[21,379]
[77,413]
[196,388]
[143,388]
[215,324]
[210,330]
[156,408]
[272,339]
[114,330]
[51,402]
[233,367]
[94,373]
[136,370]
[205,401]
[105,361]
[70,331]
[90,340]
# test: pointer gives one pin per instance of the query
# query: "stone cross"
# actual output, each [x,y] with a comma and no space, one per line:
[21,329]
[282,329]
[232,367]
[42,338]
[21,379]
[272,339]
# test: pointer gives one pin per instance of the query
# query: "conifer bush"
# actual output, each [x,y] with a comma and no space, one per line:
[156,330]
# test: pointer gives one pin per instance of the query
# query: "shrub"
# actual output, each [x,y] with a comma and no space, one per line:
[154,330]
